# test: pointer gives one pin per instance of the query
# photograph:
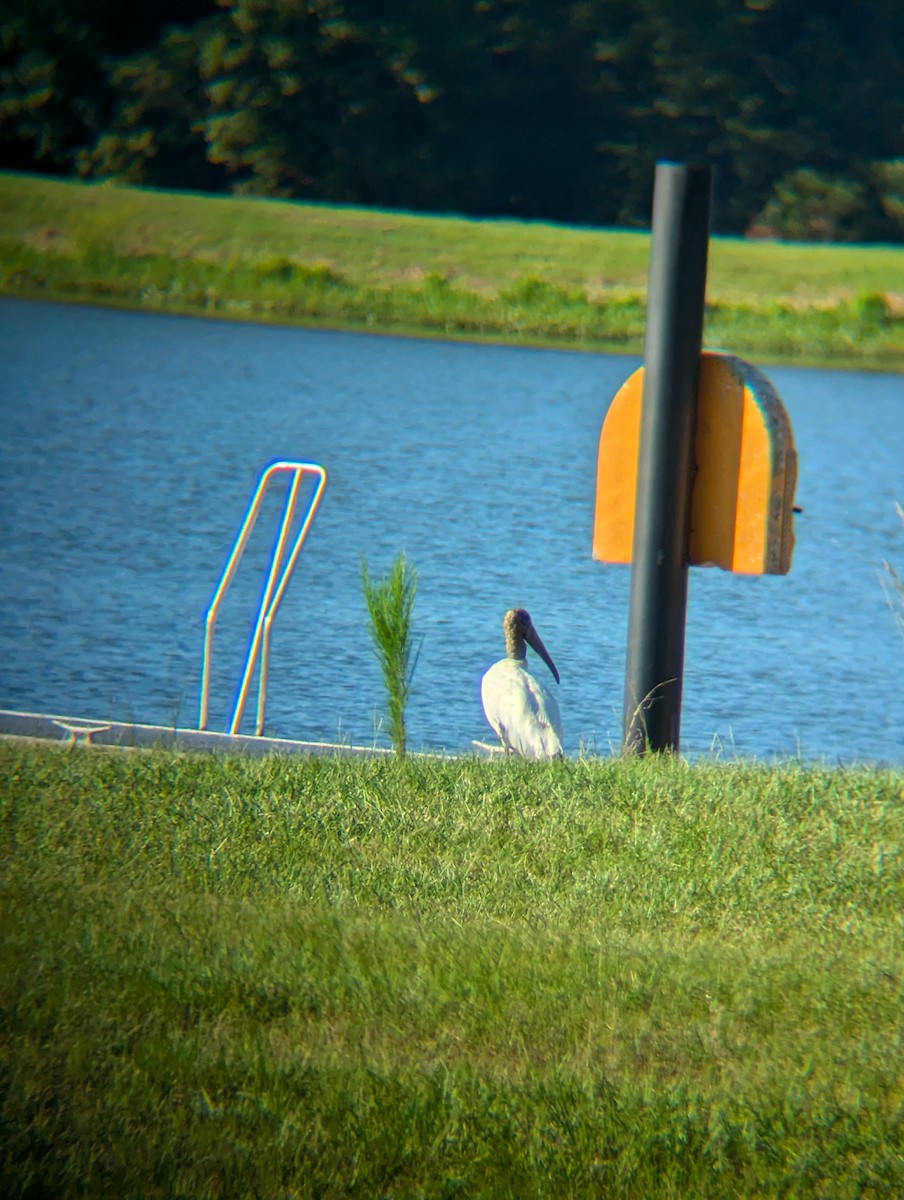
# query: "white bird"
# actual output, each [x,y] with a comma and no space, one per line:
[520,709]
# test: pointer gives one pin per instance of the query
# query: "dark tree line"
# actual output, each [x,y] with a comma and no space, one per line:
[552,109]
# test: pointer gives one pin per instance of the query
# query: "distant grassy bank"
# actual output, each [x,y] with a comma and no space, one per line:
[228,977]
[266,260]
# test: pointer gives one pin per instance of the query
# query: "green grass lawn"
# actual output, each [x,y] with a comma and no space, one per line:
[229,977]
[357,268]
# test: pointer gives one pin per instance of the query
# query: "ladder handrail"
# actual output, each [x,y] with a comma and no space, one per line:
[273,591]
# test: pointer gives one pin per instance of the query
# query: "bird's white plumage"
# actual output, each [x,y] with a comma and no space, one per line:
[524,714]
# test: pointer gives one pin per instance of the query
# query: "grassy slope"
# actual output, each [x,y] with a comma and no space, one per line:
[265,259]
[228,977]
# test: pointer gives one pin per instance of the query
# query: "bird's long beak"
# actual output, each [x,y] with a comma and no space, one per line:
[535,642]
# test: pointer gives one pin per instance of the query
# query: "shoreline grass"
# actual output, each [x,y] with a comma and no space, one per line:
[449,277]
[418,978]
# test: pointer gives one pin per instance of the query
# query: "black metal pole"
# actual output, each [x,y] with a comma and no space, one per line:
[674,335]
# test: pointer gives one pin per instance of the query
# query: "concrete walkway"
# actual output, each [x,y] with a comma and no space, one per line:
[81,730]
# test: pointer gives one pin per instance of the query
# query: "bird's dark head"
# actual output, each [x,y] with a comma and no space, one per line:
[518,620]
[519,632]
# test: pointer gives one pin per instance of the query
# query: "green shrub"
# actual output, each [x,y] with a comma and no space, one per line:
[390,603]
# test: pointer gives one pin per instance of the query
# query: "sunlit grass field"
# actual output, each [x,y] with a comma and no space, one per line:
[355,268]
[227,977]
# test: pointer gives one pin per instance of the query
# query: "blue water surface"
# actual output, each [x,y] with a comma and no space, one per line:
[133,443]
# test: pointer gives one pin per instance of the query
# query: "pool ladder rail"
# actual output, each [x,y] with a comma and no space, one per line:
[281,568]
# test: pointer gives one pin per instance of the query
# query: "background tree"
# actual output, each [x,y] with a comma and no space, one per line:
[303,102]
[58,91]
[807,206]
[156,134]
[888,178]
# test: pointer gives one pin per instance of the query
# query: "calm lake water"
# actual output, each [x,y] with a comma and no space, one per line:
[133,443]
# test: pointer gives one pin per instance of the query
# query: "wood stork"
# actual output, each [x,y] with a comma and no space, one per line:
[520,709]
